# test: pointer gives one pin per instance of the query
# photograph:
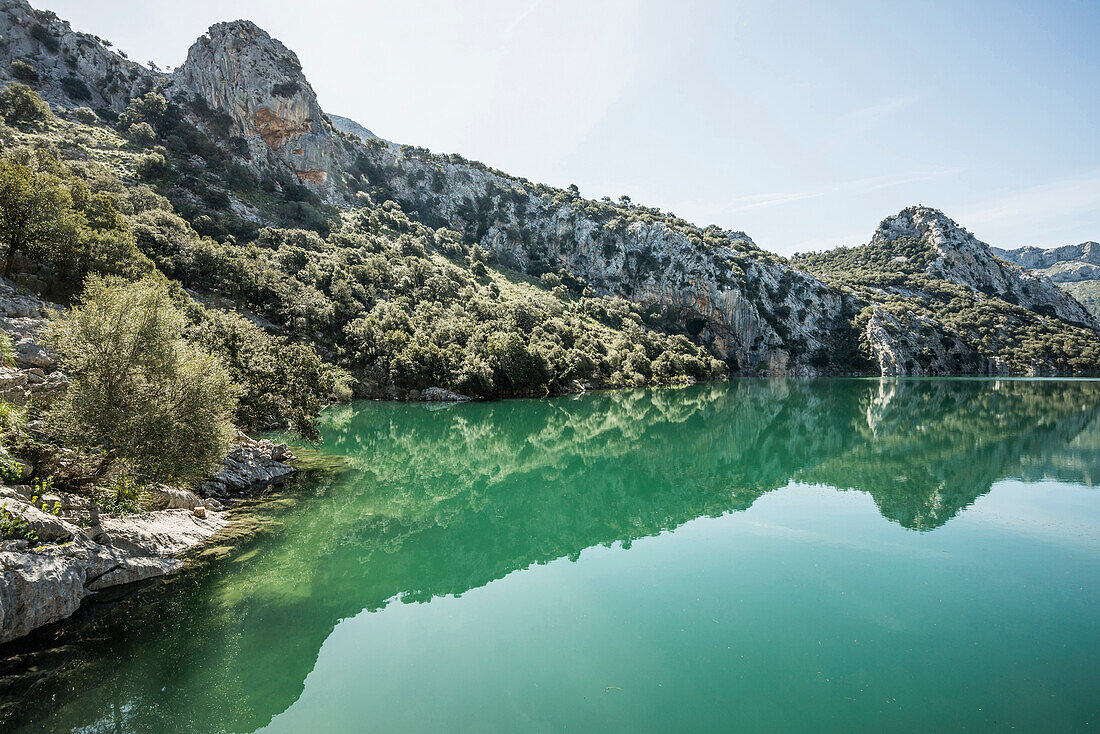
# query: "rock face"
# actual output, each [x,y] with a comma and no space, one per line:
[69,69]
[965,260]
[48,583]
[34,373]
[914,346]
[257,81]
[352,127]
[754,310]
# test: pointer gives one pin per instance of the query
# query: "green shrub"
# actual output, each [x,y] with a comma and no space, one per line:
[85,115]
[19,104]
[76,88]
[15,527]
[142,133]
[24,72]
[137,384]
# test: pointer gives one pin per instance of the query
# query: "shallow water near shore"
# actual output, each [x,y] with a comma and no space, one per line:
[781,555]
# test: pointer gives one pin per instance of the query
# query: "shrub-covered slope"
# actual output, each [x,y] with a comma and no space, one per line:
[314,226]
[936,301]
[1075,268]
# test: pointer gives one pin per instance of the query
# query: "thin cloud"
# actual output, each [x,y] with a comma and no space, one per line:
[763,201]
[855,186]
[867,117]
[1068,197]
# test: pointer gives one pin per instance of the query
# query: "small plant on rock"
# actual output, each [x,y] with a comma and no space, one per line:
[15,527]
[123,495]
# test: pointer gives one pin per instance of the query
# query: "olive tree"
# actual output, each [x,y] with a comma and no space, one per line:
[137,385]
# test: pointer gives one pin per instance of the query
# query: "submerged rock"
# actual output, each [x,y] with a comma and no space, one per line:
[48,583]
[43,584]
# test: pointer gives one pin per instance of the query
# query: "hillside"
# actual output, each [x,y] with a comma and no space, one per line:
[414,269]
[1075,268]
[937,301]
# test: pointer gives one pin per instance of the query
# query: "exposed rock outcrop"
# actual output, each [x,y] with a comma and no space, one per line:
[47,583]
[250,463]
[441,395]
[238,69]
[1068,264]
[913,345]
[965,260]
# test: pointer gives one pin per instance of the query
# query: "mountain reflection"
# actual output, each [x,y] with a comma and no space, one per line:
[439,500]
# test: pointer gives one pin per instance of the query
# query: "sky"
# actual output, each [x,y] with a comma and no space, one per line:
[803,123]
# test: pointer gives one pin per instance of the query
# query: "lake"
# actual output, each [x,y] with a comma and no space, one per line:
[758,555]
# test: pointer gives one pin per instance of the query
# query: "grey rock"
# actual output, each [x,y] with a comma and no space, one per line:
[439,395]
[109,81]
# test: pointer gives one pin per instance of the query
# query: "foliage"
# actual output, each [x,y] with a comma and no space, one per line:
[137,384]
[86,115]
[396,312]
[283,383]
[23,71]
[10,470]
[75,87]
[893,273]
[123,494]
[50,215]
[35,212]
[21,104]
[15,527]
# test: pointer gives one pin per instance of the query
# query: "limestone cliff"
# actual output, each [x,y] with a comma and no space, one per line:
[1069,264]
[238,69]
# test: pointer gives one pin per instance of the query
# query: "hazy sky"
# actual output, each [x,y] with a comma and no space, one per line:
[803,123]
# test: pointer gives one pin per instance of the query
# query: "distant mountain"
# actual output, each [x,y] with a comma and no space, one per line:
[1076,268]
[347,125]
[250,151]
[1061,264]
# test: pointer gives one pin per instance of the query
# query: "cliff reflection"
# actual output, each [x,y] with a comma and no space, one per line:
[442,499]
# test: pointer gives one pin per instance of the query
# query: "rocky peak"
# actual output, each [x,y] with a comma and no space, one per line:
[962,258]
[240,70]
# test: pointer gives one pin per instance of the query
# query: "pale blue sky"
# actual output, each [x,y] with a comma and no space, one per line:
[801,122]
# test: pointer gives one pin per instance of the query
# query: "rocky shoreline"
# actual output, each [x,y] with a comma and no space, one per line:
[82,553]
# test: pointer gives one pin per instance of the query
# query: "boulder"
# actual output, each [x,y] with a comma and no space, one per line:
[440,395]
[163,497]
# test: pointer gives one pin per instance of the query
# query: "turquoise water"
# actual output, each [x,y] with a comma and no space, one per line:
[831,555]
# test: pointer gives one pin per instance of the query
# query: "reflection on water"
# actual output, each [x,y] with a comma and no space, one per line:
[439,500]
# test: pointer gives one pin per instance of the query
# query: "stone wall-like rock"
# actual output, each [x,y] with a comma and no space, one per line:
[238,69]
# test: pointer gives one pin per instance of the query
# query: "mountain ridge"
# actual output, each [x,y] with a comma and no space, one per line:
[758,312]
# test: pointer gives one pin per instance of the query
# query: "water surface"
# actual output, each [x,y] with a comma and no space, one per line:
[830,555]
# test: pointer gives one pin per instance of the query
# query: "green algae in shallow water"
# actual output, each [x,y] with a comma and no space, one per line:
[648,561]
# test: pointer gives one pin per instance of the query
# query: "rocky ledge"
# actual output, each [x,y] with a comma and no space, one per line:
[82,552]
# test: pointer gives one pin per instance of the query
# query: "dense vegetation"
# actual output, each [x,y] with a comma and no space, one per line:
[892,274]
[100,213]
